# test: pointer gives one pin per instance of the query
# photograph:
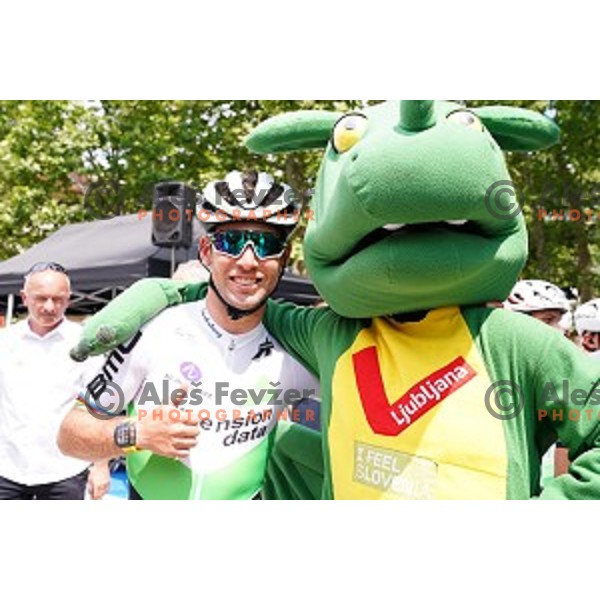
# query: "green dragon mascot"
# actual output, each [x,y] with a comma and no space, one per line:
[427,390]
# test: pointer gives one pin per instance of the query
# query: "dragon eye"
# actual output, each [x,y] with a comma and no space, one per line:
[347,131]
[466,119]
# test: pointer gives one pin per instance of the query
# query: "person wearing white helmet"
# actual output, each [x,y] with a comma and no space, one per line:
[540,299]
[216,351]
[587,324]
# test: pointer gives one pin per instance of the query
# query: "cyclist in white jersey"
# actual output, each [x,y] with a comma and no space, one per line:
[204,383]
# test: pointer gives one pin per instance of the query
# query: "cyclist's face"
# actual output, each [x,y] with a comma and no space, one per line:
[551,317]
[244,281]
[590,340]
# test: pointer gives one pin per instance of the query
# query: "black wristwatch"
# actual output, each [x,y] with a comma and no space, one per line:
[125,436]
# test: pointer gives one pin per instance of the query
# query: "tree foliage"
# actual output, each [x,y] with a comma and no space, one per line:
[561,190]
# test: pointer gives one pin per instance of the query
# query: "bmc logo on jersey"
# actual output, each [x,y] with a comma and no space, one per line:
[97,386]
[392,419]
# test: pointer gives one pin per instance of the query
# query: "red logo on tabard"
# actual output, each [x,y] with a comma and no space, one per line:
[386,418]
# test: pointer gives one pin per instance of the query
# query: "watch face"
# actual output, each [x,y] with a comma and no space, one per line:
[122,435]
[125,435]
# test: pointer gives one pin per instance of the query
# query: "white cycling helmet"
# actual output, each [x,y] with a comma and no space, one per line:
[249,196]
[587,317]
[531,295]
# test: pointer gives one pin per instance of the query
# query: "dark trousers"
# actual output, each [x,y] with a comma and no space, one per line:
[72,488]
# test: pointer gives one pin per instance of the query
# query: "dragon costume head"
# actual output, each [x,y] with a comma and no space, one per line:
[413,207]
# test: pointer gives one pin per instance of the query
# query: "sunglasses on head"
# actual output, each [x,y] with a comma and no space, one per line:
[233,242]
[46,266]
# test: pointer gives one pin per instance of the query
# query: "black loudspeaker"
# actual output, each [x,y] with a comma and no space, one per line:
[173,208]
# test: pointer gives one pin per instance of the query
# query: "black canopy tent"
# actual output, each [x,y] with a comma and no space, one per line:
[104,257]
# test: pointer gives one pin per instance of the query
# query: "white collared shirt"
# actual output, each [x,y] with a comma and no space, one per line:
[38,380]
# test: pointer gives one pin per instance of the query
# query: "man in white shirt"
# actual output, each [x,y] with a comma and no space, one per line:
[37,379]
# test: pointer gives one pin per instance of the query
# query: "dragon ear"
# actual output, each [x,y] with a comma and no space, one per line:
[518,129]
[302,130]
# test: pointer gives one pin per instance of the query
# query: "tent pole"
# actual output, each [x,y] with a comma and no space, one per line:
[9,309]
[172,260]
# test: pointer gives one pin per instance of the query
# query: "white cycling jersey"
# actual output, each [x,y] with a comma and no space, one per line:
[238,385]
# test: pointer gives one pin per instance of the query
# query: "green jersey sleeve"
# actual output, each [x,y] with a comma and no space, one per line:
[303,331]
[568,399]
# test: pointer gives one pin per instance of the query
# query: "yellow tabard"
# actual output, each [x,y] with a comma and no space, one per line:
[409,420]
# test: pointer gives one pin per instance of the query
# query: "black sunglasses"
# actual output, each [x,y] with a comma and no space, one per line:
[46,266]
[233,242]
